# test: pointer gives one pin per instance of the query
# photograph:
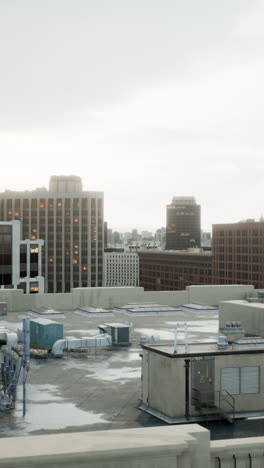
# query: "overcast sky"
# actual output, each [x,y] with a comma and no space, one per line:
[144,99]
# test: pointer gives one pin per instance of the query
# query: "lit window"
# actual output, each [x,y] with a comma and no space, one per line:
[76,220]
[34,230]
[42,205]
[17,213]
[76,246]
[9,213]
[34,289]
[75,261]
[59,204]
[33,237]
[51,260]
[76,252]
[84,268]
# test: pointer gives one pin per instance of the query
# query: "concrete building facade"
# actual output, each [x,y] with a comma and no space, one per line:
[71,222]
[121,269]
[20,261]
[238,253]
[174,270]
[183,229]
[203,381]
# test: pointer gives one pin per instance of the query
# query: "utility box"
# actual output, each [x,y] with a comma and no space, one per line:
[3,308]
[44,332]
[121,333]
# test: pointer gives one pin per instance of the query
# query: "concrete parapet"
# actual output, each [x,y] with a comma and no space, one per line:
[251,315]
[182,446]
[213,294]
[118,296]
[246,452]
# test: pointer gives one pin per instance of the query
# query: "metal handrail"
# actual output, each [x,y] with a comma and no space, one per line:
[233,404]
[207,399]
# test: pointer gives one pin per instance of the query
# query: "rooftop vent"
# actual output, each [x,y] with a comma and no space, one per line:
[222,342]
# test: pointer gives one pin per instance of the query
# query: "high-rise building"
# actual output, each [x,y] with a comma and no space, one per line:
[238,253]
[20,260]
[71,222]
[183,224]
[121,269]
[169,271]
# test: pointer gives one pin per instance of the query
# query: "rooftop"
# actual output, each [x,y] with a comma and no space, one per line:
[206,349]
[190,252]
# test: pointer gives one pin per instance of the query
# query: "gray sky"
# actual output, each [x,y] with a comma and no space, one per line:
[145,99]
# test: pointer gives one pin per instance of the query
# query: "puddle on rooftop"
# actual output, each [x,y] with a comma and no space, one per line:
[44,413]
[163,334]
[114,374]
[43,393]
[201,326]
[109,368]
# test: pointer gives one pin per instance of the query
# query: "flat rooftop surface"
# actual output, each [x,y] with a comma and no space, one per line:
[257,305]
[204,349]
[82,392]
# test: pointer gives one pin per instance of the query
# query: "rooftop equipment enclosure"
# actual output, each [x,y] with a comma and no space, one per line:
[44,333]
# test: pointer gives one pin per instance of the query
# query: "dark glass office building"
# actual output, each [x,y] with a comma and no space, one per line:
[71,222]
[6,257]
[183,229]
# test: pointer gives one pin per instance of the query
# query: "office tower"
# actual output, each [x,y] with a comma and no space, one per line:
[71,223]
[20,261]
[183,224]
[162,270]
[105,235]
[121,269]
[238,254]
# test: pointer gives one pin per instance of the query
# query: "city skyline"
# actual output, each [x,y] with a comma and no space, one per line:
[144,101]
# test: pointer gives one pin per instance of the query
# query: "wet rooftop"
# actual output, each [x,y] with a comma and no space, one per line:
[101,390]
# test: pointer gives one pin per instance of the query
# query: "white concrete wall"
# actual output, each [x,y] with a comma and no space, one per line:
[184,446]
[115,297]
[179,446]
[121,269]
[251,315]
[212,295]
[246,453]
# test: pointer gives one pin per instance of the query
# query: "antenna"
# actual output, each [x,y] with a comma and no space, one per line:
[179,327]
[26,358]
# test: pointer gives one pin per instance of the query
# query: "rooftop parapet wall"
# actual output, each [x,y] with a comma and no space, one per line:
[213,294]
[116,297]
[184,447]
[244,452]
[251,315]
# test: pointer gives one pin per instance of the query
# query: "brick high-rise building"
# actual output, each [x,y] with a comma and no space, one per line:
[71,222]
[238,253]
[170,271]
[183,224]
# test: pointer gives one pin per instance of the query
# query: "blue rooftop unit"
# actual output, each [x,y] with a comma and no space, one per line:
[121,333]
[44,332]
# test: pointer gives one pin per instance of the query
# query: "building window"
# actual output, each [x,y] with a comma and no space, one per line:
[240,380]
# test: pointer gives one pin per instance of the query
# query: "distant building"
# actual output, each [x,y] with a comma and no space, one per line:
[183,224]
[134,234]
[146,235]
[165,271]
[20,261]
[105,235]
[71,223]
[238,253]
[121,269]
[160,235]
[206,240]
